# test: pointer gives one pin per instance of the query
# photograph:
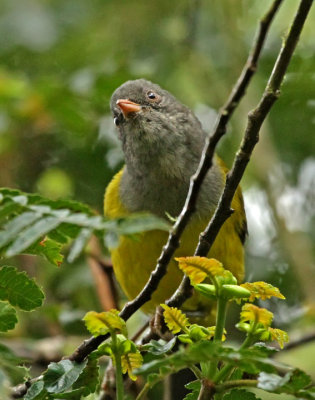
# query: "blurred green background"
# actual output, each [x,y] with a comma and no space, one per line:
[61,60]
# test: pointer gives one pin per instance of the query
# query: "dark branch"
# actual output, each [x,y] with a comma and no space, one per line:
[195,184]
[255,120]
[206,239]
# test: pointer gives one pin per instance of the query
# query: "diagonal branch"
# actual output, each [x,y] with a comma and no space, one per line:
[251,136]
[205,164]
[195,182]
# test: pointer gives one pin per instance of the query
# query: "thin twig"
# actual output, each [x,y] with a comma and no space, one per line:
[184,291]
[195,183]
[255,120]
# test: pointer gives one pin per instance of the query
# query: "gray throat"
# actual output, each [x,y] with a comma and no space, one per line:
[160,185]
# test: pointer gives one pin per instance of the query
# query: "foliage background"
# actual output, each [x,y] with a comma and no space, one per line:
[59,63]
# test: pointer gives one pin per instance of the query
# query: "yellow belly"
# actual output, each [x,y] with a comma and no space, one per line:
[133,260]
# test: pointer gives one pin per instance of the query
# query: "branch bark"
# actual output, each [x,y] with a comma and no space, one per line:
[256,118]
[195,183]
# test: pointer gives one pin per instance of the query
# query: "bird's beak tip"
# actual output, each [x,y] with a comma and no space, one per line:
[128,106]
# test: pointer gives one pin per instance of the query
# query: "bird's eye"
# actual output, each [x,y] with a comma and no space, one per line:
[151,95]
[116,121]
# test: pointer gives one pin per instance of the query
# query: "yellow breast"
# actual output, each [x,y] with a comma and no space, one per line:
[133,260]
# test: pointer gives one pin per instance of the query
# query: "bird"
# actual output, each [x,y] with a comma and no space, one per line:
[162,141]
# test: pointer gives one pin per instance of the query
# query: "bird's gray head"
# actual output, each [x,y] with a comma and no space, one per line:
[156,130]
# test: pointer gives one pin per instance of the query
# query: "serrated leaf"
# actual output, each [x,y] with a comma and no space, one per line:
[104,322]
[199,268]
[89,378]
[252,313]
[251,360]
[262,290]
[49,249]
[271,382]
[19,290]
[131,361]
[35,232]
[195,387]
[240,394]
[60,376]
[36,391]
[157,348]
[79,244]
[137,223]
[175,319]
[279,335]
[17,224]
[308,394]
[9,208]
[8,317]
[293,382]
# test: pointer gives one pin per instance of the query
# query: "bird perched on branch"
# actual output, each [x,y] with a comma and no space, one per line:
[162,141]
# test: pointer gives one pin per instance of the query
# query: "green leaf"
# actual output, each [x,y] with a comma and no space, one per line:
[9,208]
[8,317]
[111,240]
[79,244]
[60,376]
[195,387]
[137,223]
[19,290]
[17,224]
[9,363]
[240,394]
[308,394]
[7,356]
[104,322]
[234,292]
[271,382]
[35,232]
[251,360]
[89,378]
[299,380]
[236,374]
[60,220]
[157,348]
[36,391]
[293,382]
[71,395]
[206,290]
[49,249]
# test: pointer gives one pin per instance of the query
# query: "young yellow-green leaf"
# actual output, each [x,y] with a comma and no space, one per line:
[262,290]
[131,361]
[252,313]
[104,322]
[19,290]
[279,335]
[198,268]
[8,317]
[175,319]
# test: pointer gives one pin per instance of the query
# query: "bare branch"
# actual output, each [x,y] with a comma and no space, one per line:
[255,120]
[195,183]
[251,136]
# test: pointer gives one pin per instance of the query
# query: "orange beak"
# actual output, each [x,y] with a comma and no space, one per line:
[128,106]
